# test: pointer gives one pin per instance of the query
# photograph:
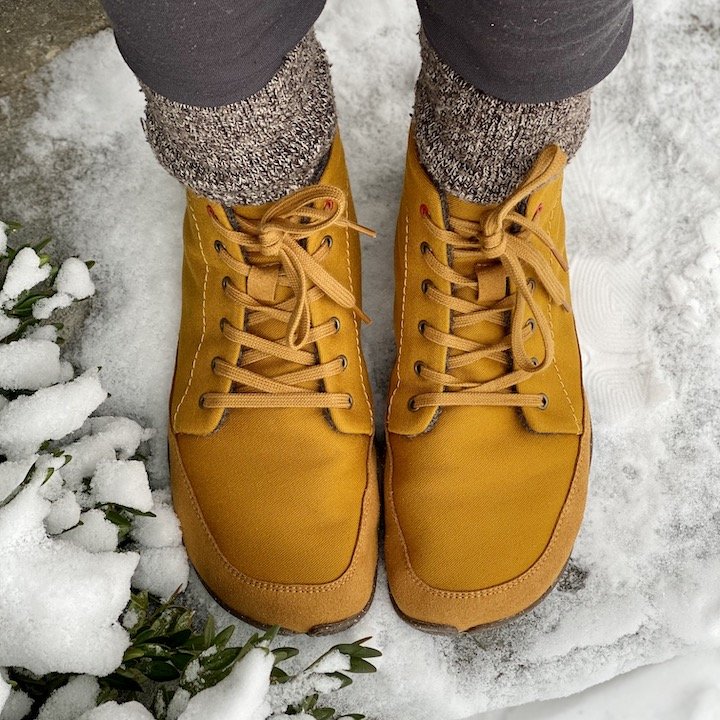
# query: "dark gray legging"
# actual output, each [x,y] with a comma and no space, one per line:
[215,52]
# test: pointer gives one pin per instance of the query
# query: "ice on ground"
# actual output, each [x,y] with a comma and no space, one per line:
[118,711]
[70,701]
[25,272]
[643,202]
[30,364]
[49,414]
[162,571]
[59,604]
[241,695]
[123,482]
[96,533]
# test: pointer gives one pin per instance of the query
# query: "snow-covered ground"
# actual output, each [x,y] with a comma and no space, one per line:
[643,202]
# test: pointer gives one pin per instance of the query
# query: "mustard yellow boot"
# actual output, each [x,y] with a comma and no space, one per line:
[488,428]
[271,453]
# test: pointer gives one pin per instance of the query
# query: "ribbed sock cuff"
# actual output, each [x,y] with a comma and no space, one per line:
[258,149]
[478,147]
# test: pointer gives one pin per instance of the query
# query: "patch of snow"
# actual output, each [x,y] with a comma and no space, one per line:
[49,414]
[124,482]
[30,364]
[59,604]
[162,530]
[96,534]
[25,272]
[161,571]
[8,325]
[17,706]
[240,696]
[71,700]
[12,473]
[3,238]
[118,711]
[64,513]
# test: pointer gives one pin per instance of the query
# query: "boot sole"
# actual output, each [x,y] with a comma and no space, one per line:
[449,630]
[315,631]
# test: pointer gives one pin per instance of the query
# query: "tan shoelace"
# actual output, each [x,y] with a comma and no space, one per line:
[272,257]
[486,241]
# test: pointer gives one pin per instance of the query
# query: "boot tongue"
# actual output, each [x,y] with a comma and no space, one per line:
[492,287]
[263,285]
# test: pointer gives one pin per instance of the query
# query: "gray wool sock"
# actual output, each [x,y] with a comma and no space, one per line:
[478,147]
[256,150]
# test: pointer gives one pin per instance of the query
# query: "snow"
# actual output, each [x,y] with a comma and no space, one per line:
[124,482]
[16,707]
[642,200]
[53,593]
[162,530]
[3,246]
[161,571]
[8,325]
[117,711]
[13,473]
[30,364]
[71,700]
[49,414]
[72,283]
[108,439]
[241,695]
[96,534]
[64,513]
[25,272]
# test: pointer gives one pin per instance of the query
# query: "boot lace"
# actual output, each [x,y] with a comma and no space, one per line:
[274,256]
[501,236]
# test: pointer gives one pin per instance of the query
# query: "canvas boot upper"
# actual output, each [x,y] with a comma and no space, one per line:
[273,468]
[488,433]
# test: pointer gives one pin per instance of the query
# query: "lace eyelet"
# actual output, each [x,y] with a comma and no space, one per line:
[424,211]
[531,324]
[336,323]
[531,284]
[201,402]
[327,240]
[412,407]
[222,324]
[418,366]
[343,361]
[350,401]
[544,402]
[534,361]
[219,247]
[225,282]
[214,362]
[421,327]
[425,286]
[424,248]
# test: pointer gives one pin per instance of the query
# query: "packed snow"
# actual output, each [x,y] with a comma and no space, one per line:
[643,205]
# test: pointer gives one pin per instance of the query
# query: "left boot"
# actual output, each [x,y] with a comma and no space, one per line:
[488,428]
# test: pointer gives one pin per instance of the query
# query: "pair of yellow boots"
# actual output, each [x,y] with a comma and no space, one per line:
[272,459]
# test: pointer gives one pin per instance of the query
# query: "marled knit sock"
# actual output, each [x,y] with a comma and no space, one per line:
[256,150]
[479,147]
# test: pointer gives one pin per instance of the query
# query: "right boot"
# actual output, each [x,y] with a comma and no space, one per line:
[272,460]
